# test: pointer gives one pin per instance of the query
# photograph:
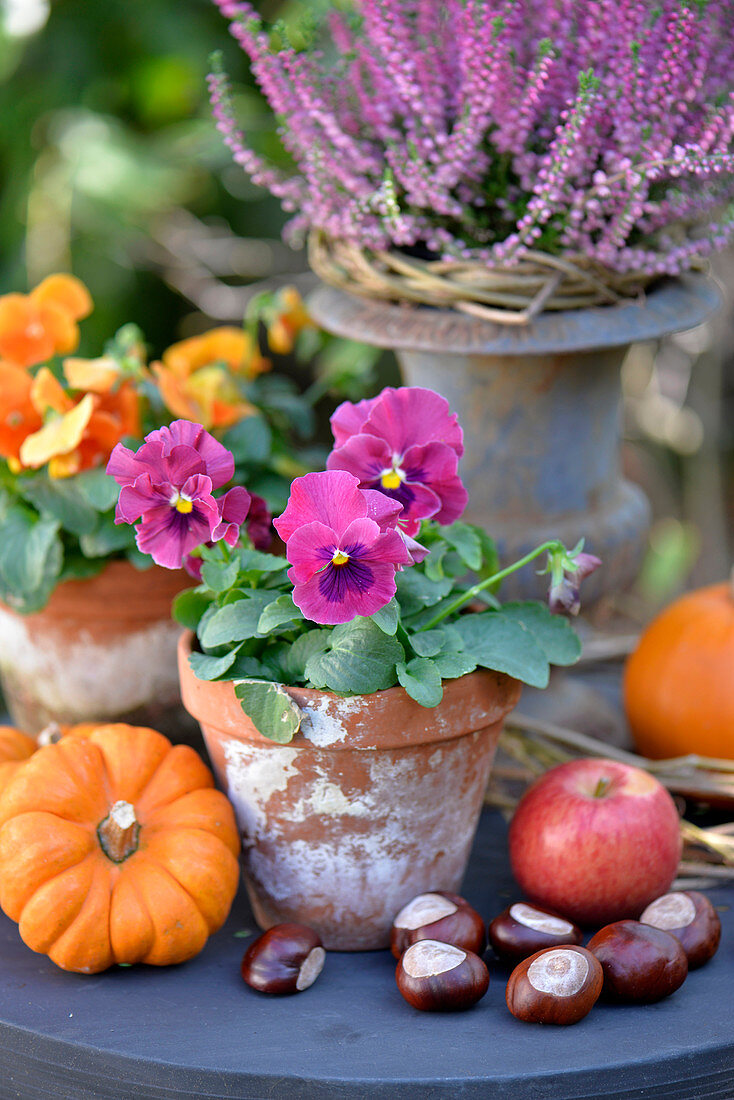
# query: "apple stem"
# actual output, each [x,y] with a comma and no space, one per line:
[602,787]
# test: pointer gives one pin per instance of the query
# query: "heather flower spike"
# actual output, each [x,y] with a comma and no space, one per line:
[343,563]
[405,444]
[167,486]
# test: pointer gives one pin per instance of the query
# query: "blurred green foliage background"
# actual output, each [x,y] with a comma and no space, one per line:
[111,166]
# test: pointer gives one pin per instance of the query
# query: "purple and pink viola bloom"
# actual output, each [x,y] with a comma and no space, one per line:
[168,484]
[404,443]
[343,562]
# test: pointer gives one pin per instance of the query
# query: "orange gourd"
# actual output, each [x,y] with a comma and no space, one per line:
[15,747]
[116,849]
[679,682]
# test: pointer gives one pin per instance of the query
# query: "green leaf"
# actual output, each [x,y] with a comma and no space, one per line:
[235,622]
[98,488]
[504,645]
[554,634]
[305,646]
[360,660]
[62,499]
[490,557]
[422,681]
[416,591]
[249,440]
[270,709]
[387,617]
[107,538]
[31,558]
[466,542]
[281,612]
[206,667]
[219,575]
[255,561]
[428,643]
[453,665]
[189,606]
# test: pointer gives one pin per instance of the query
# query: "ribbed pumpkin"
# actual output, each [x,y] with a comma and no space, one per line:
[15,747]
[679,682]
[116,849]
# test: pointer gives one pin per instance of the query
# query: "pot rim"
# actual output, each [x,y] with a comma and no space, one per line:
[674,305]
[383,719]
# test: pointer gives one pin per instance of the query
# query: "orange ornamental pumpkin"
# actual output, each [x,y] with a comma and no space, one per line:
[679,682]
[15,747]
[116,849]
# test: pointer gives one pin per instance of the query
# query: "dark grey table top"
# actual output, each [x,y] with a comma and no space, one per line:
[197,1031]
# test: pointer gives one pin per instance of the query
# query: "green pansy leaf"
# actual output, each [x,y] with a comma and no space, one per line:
[360,660]
[305,646]
[453,665]
[255,561]
[219,575]
[466,542]
[387,617]
[249,440]
[98,488]
[189,606]
[280,613]
[490,557]
[235,621]
[61,499]
[107,538]
[416,591]
[422,681]
[428,643]
[554,634]
[504,645]
[270,709]
[206,667]
[31,558]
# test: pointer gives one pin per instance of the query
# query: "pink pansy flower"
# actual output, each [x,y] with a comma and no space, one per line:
[167,484]
[342,561]
[564,595]
[405,443]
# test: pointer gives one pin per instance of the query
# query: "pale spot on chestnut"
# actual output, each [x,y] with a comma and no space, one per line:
[425,909]
[427,958]
[559,972]
[311,967]
[670,911]
[540,922]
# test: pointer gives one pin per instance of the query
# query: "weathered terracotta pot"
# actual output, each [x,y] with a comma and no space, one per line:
[375,800]
[102,648]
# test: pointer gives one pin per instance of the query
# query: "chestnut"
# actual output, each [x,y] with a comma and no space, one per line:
[692,919]
[440,977]
[288,958]
[438,916]
[558,985]
[640,963]
[522,929]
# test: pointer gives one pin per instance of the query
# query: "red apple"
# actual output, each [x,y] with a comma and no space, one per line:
[595,840]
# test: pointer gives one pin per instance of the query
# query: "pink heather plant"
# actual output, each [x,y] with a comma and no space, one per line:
[471,129]
[405,444]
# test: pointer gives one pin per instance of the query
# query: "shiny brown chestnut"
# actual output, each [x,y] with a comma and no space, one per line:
[438,916]
[558,985]
[288,958]
[692,919]
[640,963]
[440,977]
[522,929]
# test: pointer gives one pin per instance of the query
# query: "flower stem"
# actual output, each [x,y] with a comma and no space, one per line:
[474,591]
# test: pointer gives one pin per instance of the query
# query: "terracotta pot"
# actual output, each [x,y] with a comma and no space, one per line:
[103,648]
[375,800]
[540,408]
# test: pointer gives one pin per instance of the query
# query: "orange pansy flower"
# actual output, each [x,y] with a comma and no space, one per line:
[290,317]
[18,415]
[197,377]
[35,326]
[92,375]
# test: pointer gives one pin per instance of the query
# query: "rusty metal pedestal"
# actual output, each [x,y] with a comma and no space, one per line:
[540,409]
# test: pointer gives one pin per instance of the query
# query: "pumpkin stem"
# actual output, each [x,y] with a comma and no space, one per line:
[49,735]
[118,833]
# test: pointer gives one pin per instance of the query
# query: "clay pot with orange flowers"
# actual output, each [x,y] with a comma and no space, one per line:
[85,627]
